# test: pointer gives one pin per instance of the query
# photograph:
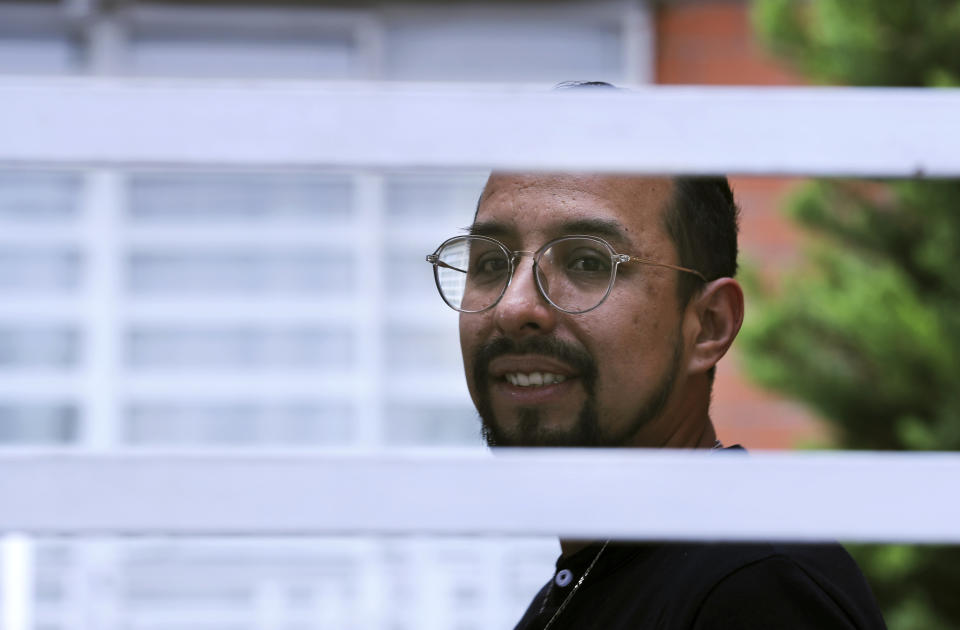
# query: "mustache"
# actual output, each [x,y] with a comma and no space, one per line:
[577,358]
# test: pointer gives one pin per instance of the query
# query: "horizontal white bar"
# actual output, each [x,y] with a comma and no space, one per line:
[656,495]
[30,316]
[151,123]
[58,235]
[41,384]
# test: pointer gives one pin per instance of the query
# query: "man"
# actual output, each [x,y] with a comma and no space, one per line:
[593,311]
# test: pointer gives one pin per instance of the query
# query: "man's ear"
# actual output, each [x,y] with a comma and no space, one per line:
[715,316]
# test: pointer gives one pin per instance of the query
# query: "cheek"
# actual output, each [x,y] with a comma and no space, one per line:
[616,345]
[466,344]
[647,325]
[634,339]
[656,315]
[472,331]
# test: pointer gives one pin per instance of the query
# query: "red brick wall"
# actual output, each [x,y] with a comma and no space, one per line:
[711,43]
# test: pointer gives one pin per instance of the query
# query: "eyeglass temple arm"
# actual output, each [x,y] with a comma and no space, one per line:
[435,260]
[654,263]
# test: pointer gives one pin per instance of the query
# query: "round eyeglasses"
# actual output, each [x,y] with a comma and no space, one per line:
[572,273]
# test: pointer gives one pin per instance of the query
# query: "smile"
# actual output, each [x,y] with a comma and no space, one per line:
[533,379]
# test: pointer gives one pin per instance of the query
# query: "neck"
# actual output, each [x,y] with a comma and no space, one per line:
[683,423]
[705,438]
[570,547]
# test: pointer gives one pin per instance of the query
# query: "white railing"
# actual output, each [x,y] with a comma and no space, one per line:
[627,494]
[763,131]
[112,123]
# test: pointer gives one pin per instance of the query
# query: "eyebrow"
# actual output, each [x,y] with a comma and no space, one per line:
[608,228]
[488,228]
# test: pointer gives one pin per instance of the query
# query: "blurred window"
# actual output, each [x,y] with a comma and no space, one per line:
[44,268]
[38,423]
[216,198]
[432,424]
[198,41]
[419,348]
[502,43]
[408,277]
[198,308]
[27,197]
[35,40]
[421,210]
[412,200]
[240,271]
[36,54]
[235,423]
[34,346]
[243,348]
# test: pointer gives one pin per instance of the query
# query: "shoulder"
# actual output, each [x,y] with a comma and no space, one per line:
[784,586]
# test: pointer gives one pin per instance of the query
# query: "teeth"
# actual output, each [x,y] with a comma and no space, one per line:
[534,379]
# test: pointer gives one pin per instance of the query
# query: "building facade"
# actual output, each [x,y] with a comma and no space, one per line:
[195,309]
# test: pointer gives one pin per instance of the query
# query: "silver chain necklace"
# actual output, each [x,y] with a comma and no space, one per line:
[566,600]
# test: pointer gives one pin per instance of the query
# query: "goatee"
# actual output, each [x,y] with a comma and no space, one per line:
[529,429]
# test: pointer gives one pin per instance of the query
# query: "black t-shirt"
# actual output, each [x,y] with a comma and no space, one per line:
[716,586]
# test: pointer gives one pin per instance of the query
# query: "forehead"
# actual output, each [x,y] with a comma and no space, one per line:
[544,203]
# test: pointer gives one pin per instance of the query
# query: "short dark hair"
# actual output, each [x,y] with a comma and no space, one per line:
[702,221]
[570,85]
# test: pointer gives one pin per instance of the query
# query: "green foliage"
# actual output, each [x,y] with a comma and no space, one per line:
[915,584]
[866,42]
[867,329]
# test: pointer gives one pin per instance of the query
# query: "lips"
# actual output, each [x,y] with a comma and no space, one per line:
[534,370]
[530,371]
[534,379]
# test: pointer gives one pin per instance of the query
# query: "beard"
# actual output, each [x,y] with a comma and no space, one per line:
[586,430]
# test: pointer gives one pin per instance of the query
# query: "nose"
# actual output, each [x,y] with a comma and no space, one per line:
[522,310]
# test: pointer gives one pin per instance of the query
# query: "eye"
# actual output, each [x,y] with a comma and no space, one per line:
[588,260]
[489,266]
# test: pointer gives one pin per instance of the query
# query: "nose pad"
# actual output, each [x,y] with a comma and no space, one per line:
[542,282]
[523,276]
[522,307]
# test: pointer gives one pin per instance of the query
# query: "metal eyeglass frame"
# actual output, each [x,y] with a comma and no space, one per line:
[514,256]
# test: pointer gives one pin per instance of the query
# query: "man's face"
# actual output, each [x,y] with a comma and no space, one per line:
[620,364]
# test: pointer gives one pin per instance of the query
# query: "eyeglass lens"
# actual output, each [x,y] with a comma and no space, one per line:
[573,273]
[472,273]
